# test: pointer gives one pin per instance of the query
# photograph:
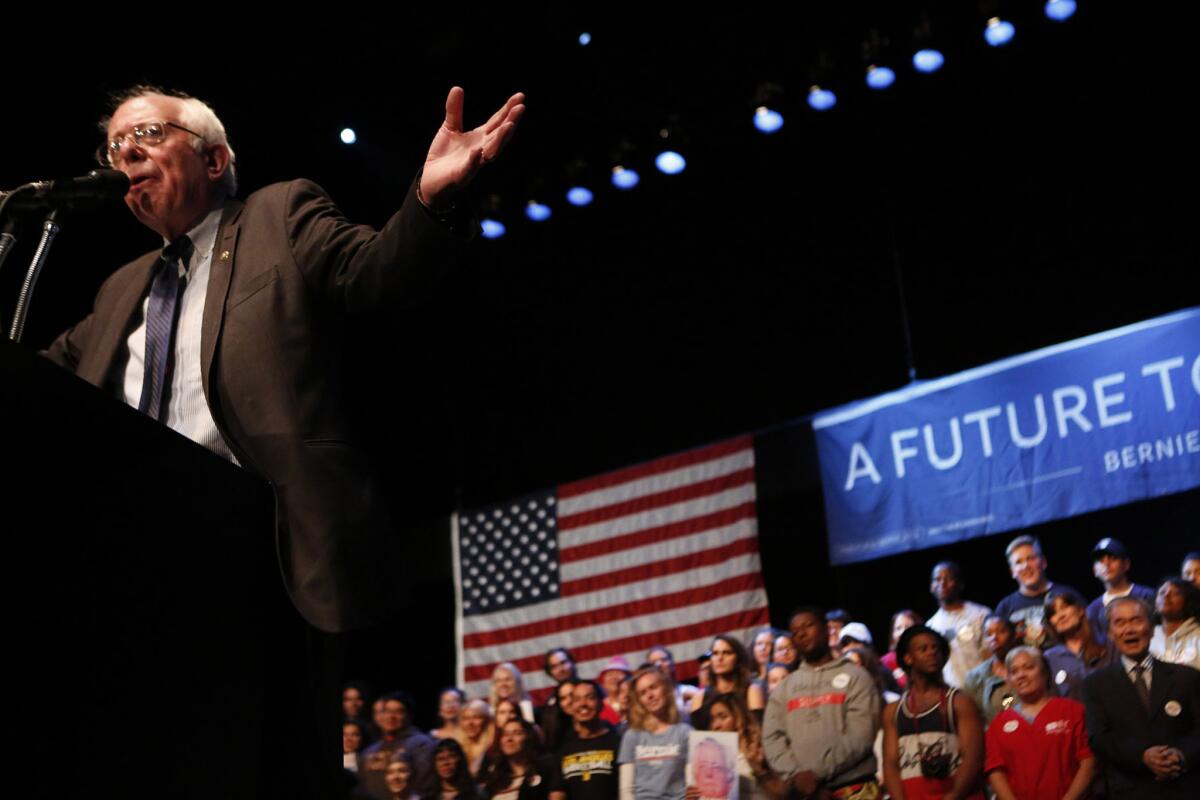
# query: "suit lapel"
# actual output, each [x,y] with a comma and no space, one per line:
[1122,686]
[102,364]
[220,276]
[1161,688]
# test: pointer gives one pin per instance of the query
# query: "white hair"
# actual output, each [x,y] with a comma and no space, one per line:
[195,115]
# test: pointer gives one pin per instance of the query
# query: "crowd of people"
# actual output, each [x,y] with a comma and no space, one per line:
[1047,696]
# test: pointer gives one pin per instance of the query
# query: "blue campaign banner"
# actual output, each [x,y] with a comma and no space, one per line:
[1089,424]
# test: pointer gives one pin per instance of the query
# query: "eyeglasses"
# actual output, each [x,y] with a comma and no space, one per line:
[144,134]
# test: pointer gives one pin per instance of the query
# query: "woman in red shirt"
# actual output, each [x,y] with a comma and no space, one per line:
[1037,749]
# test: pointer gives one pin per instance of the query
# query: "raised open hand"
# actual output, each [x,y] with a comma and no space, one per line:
[456,155]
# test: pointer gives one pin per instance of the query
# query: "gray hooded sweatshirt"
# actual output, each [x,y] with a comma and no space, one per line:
[824,719]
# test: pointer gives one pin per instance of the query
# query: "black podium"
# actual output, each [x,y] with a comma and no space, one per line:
[152,650]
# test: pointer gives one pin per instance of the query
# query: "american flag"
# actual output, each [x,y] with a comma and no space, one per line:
[664,552]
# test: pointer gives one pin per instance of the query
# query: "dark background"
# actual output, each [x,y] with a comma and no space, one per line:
[1025,195]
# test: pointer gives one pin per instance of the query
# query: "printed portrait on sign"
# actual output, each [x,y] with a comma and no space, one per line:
[712,764]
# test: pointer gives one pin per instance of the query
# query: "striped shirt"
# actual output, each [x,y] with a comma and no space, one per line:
[187,409]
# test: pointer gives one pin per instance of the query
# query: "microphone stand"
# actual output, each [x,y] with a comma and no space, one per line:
[7,241]
[50,229]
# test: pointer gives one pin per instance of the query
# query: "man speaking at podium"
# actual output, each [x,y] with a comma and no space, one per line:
[230,334]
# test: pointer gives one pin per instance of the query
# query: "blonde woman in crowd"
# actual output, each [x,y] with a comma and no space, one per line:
[476,722]
[508,684]
[654,749]
[450,766]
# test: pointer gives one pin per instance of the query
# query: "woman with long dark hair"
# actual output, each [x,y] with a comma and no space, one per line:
[732,672]
[454,777]
[1080,651]
[450,703]
[756,779]
[520,772]
[506,710]
[558,720]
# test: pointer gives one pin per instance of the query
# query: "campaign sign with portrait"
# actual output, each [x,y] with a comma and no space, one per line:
[712,764]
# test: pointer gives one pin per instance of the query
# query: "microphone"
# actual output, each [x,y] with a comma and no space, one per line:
[97,186]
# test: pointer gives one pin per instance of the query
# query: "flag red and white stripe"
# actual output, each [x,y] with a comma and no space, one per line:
[664,552]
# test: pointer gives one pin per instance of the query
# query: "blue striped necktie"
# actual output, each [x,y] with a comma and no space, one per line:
[161,315]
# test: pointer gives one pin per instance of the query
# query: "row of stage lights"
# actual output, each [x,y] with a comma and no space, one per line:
[997,33]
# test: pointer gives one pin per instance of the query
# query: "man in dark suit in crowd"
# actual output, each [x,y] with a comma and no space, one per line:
[1143,715]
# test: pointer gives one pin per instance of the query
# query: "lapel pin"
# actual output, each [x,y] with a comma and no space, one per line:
[1173,708]
[224,255]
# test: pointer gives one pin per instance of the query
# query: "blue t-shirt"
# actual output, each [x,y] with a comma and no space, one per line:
[658,761]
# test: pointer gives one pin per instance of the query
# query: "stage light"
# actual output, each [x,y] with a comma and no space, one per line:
[928,60]
[1060,10]
[579,196]
[821,99]
[998,32]
[880,77]
[585,39]
[492,229]
[349,136]
[624,178]
[767,120]
[670,163]
[538,212]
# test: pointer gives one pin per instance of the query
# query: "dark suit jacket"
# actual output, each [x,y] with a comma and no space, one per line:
[286,266]
[1120,730]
